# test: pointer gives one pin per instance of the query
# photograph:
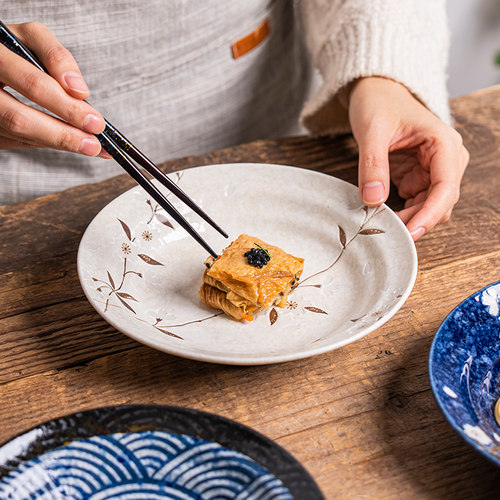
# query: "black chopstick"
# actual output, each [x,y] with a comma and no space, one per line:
[125,145]
[117,145]
[151,189]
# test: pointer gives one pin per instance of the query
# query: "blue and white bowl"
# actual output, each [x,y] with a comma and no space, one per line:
[464,369]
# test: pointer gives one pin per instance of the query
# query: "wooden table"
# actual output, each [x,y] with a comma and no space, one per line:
[362,419]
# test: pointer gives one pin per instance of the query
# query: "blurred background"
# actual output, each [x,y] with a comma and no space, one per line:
[475,45]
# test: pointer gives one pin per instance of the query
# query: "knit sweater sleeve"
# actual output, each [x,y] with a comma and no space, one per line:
[405,40]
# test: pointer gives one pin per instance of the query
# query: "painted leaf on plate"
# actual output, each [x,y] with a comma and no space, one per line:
[166,332]
[164,220]
[125,304]
[342,237]
[273,316]
[149,260]
[315,310]
[127,296]
[126,229]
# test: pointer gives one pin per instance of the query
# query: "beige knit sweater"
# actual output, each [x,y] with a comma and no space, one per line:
[405,40]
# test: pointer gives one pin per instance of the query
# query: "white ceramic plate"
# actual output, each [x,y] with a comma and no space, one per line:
[142,272]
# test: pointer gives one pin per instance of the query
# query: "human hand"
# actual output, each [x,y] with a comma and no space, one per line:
[62,93]
[399,139]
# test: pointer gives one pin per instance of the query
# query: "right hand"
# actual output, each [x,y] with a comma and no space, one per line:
[62,92]
[402,141]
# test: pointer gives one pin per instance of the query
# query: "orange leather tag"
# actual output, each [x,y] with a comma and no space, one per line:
[249,42]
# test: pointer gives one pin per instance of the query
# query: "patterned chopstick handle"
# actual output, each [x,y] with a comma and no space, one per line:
[9,40]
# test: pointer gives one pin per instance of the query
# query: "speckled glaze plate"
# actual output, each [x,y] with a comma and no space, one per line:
[464,369]
[142,272]
[149,452]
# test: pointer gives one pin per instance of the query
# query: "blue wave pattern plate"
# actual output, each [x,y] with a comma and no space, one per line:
[63,459]
[464,368]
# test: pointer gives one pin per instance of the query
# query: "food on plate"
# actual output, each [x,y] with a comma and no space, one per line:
[250,275]
[497,411]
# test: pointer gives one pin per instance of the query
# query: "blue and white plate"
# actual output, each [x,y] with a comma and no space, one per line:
[149,452]
[464,368]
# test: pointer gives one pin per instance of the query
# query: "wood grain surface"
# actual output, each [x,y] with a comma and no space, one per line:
[362,419]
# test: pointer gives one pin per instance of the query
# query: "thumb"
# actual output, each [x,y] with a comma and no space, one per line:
[373,172]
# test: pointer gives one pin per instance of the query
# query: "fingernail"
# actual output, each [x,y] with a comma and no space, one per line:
[75,82]
[93,124]
[417,233]
[90,147]
[373,193]
[104,154]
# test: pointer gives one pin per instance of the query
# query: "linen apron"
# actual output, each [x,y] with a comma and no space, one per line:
[164,74]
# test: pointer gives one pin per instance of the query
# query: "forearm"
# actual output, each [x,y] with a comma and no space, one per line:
[404,40]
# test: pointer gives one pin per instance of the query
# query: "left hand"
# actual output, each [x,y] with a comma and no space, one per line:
[399,139]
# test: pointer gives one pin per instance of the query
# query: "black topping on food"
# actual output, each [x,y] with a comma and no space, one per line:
[257,257]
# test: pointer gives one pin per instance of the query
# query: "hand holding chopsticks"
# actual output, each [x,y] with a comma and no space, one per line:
[125,153]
